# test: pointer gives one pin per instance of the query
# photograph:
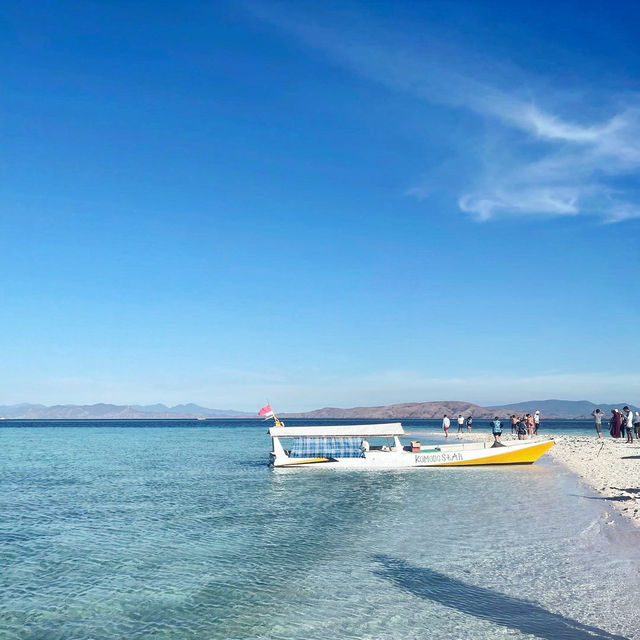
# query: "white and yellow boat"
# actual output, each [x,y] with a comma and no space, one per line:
[378,446]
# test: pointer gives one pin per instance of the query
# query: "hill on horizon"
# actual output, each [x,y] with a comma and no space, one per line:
[567,409]
[26,411]
[416,410]
[553,409]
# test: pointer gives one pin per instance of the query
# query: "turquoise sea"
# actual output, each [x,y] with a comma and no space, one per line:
[179,530]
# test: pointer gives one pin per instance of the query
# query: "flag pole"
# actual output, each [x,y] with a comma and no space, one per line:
[276,422]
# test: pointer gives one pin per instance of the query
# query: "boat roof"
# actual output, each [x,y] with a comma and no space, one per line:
[365,430]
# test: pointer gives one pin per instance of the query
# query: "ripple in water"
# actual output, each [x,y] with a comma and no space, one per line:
[176,533]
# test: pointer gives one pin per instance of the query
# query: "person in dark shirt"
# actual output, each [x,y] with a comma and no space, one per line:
[522,429]
[496,429]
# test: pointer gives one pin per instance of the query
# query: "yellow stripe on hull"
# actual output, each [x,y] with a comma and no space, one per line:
[525,455]
[305,461]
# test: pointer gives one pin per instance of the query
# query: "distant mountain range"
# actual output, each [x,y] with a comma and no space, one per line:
[114,411]
[418,410]
[567,409]
[558,409]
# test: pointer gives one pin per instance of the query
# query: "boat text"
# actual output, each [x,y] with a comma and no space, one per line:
[438,458]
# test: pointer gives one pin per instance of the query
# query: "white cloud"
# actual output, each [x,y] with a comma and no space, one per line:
[550,165]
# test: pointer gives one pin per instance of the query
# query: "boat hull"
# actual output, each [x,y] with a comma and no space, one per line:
[468,454]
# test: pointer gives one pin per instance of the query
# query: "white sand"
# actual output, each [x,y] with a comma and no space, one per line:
[609,466]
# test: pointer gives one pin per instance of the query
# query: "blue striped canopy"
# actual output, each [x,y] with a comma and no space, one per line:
[327,448]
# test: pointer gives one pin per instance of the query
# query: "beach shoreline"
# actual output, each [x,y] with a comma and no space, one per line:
[608,466]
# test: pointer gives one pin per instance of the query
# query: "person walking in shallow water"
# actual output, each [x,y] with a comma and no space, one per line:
[536,422]
[460,424]
[469,422]
[597,418]
[514,424]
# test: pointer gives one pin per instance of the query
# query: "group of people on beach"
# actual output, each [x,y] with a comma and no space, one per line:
[462,422]
[621,423]
[527,425]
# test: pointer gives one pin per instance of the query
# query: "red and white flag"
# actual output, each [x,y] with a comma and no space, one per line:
[266,411]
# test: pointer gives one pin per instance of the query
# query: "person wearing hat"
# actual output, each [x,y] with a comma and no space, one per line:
[536,422]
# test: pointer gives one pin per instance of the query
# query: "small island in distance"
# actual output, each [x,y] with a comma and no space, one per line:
[555,409]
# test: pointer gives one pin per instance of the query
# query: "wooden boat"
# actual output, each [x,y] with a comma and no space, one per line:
[378,446]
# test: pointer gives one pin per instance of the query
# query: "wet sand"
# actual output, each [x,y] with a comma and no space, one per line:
[609,466]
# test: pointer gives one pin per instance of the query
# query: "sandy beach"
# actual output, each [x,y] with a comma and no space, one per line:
[609,466]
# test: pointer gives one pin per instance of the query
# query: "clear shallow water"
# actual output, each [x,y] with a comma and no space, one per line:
[179,530]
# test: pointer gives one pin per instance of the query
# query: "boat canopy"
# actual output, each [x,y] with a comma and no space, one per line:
[355,430]
[327,447]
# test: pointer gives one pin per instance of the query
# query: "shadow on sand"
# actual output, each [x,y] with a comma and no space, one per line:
[608,498]
[498,608]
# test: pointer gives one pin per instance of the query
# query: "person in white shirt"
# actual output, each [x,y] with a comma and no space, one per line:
[629,424]
[445,426]
[536,422]
[460,424]
[597,416]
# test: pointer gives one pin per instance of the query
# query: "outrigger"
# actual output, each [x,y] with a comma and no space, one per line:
[378,446]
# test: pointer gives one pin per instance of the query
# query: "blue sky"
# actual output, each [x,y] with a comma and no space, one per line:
[319,204]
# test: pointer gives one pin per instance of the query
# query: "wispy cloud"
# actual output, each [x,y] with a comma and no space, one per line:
[549,164]
[574,173]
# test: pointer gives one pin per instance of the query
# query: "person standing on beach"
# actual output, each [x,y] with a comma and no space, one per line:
[460,424]
[536,422]
[522,429]
[628,416]
[445,425]
[597,417]
[615,423]
[470,420]
[636,424]
[529,420]
[496,429]
[514,424]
